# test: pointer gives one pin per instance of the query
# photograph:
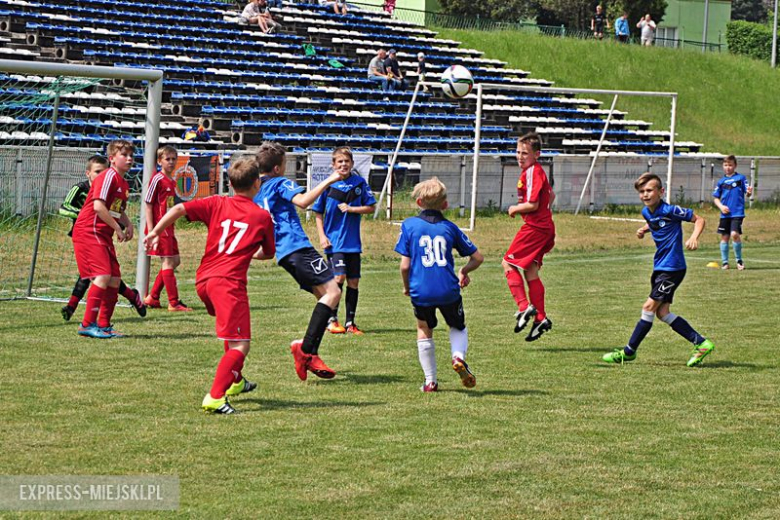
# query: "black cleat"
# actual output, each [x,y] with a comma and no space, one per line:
[524,317]
[538,329]
[67,312]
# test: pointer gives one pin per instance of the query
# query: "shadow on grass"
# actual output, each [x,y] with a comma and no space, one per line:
[369,379]
[574,349]
[172,336]
[388,331]
[512,393]
[276,404]
[730,364]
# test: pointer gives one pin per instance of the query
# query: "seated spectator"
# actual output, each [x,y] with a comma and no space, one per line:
[340,7]
[376,70]
[257,12]
[393,71]
[421,69]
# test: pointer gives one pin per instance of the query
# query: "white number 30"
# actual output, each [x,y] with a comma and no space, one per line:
[242,227]
[434,251]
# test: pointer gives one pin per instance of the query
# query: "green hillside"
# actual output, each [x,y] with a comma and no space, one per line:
[729,103]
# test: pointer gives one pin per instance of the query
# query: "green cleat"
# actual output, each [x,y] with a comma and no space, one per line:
[700,352]
[241,387]
[618,356]
[218,406]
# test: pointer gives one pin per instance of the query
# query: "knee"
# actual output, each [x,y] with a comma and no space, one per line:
[339,278]
[735,236]
[353,283]
[649,306]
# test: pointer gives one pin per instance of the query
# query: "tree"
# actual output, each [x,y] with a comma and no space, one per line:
[508,10]
[749,10]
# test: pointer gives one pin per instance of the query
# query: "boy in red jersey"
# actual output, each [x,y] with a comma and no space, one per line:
[535,239]
[238,231]
[103,215]
[159,198]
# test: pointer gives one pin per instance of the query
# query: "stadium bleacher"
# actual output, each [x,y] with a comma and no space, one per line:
[245,86]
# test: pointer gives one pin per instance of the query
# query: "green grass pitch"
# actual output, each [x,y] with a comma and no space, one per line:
[549,431]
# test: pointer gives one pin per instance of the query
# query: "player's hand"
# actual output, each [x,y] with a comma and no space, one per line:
[725,210]
[640,233]
[151,241]
[325,243]
[749,191]
[129,233]
[406,291]
[692,244]
[334,177]
[463,279]
[512,211]
[344,207]
[121,236]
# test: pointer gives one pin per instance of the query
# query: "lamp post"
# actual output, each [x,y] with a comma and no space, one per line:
[706,23]
[774,39]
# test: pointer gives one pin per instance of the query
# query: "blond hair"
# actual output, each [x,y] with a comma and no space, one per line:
[243,172]
[431,194]
[345,151]
[119,145]
[166,150]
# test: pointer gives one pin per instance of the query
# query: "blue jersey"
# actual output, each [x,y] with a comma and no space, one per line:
[731,191]
[275,196]
[428,240]
[343,229]
[666,226]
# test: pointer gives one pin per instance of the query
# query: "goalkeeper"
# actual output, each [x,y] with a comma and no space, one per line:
[70,208]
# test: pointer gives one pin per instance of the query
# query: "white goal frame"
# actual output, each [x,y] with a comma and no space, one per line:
[480,88]
[154,78]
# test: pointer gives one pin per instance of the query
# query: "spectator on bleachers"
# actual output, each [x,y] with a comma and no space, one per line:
[421,69]
[393,71]
[647,26]
[257,12]
[621,28]
[389,6]
[340,7]
[376,70]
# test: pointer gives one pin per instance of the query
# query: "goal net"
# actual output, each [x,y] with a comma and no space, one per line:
[53,118]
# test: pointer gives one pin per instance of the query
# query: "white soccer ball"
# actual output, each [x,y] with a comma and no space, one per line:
[457,81]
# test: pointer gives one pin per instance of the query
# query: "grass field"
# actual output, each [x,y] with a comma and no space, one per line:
[726,102]
[549,431]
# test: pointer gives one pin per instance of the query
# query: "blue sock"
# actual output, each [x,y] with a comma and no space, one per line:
[724,252]
[738,251]
[643,326]
[684,329]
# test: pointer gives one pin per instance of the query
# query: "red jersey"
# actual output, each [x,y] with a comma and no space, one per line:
[533,186]
[111,188]
[160,197]
[237,229]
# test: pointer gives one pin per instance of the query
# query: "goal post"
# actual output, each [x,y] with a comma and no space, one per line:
[386,195]
[51,84]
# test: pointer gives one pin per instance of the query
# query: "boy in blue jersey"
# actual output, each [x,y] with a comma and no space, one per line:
[280,197]
[427,270]
[342,206]
[664,222]
[729,197]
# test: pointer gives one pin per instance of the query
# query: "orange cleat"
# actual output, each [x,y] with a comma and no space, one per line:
[466,377]
[319,368]
[352,329]
[179,306]
[152,303]
[301,359]
[334,327]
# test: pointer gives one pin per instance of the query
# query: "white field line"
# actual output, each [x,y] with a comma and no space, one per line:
[618,219]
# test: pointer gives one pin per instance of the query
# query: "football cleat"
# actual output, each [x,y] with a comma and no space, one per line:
[430,387]
[334,327]
[138,304]
[700,352]
[740,265]
[725,266]
[537,329]
[93,331]
[152,303]
[618,356]
[113,332]
[217,406]
[67,312]
[241,387]
[179,306]
[353,329]
[319,368]
[301,359]
[523,317]
[462,368]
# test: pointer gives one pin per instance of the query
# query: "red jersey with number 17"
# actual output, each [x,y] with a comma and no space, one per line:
[533,186]
[237,228]
[111,188]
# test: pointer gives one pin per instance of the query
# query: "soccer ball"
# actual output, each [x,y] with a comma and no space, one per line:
[456,82]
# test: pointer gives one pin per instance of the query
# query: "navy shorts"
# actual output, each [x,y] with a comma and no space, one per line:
[453,314]
[345,264]
[307,267]
[664,284]
[729,225]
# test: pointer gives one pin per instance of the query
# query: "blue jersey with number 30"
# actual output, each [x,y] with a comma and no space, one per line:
[275,196]
[428,240]
[666,226]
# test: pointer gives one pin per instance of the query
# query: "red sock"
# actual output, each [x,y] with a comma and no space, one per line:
[107,306]
[515,281]
[128,294]
[536,291]
[230,364]
[169,279]
[94,300]
[157,287]
[73,301]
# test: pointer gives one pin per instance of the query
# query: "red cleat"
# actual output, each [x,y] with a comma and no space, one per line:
[319,368]
[179,306]
[352,329]
[152,303]
[430,387]
[301,359]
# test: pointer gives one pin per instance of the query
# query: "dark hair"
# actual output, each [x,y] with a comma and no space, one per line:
[531,139]
[270,155]
[645,178]
[119,145]
[730,158]
[97,159]
[243,172]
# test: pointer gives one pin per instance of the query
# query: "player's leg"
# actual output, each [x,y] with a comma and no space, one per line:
[455,317]
[514,280]
[426,349]
[724,230]
[353,265]
[93,263]
[536,293]
[642,327]
[79,290]
[108,305]
[169,265]
[338,266]
[152,299]
[328,296]
[134,297]
[702,347]
[736,241]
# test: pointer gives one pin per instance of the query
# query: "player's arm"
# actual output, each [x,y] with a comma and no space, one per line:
[153,237]
[475,260]
[359,210]
[103,214]
[698,227]
[70,206]
[523,207]
[304,200]
[406,266]
[324,242]
[640,233]
[722,207]
[149,214]
[125,221]
[268,244]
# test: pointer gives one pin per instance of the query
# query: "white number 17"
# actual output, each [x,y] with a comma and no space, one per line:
[242,227]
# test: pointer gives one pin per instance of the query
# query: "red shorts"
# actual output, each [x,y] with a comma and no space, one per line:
[227,300]
[167,246]
[96,260]
[529,246]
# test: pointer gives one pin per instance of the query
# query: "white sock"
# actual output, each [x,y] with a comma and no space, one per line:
[427,354]
[459,342]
